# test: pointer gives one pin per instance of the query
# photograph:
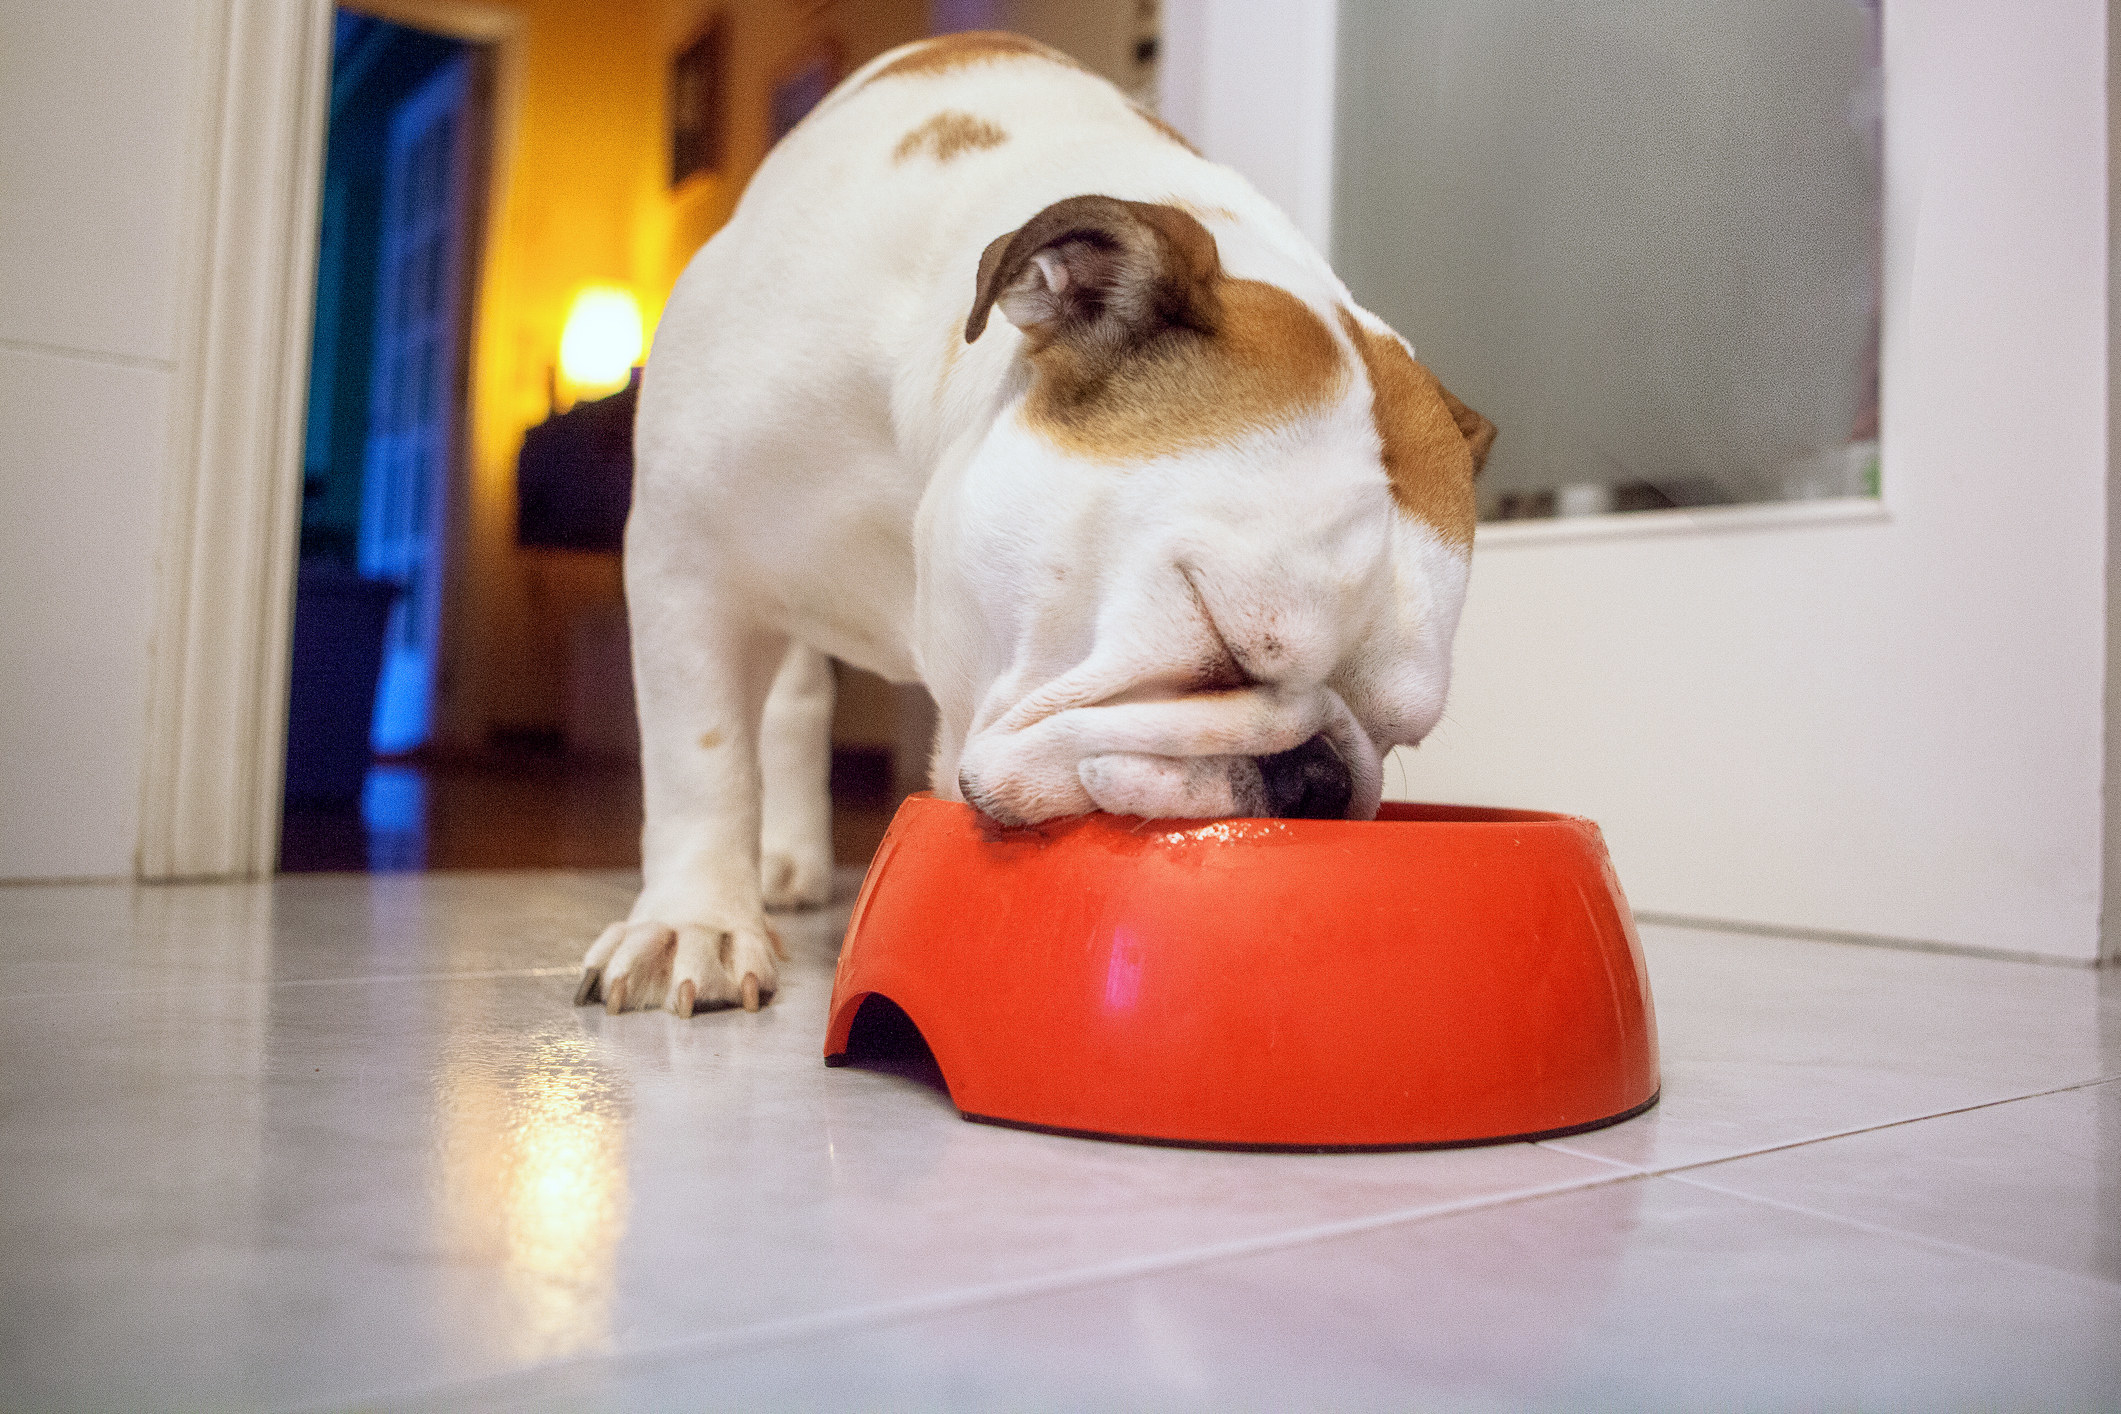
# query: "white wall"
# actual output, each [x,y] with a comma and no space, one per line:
[1252,86]
[2110,914]
[93,120]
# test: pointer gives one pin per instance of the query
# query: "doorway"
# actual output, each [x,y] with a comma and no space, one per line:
[461,681]
[398,232]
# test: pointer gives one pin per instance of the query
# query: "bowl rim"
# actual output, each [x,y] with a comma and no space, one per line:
[1418,812]
[1390,812]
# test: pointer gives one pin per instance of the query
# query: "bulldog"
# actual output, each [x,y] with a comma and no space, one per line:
[993,383]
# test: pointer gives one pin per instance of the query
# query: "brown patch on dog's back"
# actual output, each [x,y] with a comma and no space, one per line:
[947,134]
[1432,445]
[1267,361]
[956,51]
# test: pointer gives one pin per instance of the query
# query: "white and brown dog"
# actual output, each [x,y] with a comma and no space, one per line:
[1184,533]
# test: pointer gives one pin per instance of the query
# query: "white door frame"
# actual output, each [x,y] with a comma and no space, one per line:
[217,695]
[1253,85]
[224,597]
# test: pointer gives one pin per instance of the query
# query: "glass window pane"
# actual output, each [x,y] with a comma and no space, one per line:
[1642,239]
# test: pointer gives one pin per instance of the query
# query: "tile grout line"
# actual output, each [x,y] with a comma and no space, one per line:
[850,1318]
[571,969]
[1667,1170]
[1885,941]
[1940,1244]
[1555,1146]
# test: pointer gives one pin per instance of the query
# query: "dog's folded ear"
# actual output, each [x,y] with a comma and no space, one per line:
[1100,270]
[1477,430]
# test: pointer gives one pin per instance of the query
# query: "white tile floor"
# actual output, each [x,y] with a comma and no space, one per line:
[341,1142]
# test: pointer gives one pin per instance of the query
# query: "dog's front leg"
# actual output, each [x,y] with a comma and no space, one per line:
[697,936]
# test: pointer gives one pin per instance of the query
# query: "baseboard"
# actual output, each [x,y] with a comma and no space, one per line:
[1868,940]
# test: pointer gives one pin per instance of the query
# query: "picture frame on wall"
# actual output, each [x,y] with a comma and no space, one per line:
[699,103]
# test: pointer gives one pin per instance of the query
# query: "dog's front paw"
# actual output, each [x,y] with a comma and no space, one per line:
[682,967]
[796,877]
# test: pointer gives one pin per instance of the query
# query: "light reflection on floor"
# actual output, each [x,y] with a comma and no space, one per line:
[394,817]
[531,1159]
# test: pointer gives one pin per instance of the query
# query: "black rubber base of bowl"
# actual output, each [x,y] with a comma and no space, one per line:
[1560,1133]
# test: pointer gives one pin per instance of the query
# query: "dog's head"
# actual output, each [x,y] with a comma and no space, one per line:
[1209,562]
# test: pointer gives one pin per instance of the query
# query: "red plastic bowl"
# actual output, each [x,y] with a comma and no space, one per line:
[1442,975]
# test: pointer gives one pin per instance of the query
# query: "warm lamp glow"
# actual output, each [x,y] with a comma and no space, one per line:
[602,340]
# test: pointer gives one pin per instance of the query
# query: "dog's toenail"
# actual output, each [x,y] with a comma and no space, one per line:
[751,991]
[687,994]
[587,992]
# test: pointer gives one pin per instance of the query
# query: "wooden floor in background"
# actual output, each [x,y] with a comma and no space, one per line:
[523,811]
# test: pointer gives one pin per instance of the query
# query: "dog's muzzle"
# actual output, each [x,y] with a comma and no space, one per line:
[1310,782]
[1182,758]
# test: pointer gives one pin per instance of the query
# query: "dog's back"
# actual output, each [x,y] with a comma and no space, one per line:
[812,367]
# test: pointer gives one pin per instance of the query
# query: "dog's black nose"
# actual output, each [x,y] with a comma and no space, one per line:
[1309,783]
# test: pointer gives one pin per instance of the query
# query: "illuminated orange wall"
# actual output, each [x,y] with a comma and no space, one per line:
[582,150]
